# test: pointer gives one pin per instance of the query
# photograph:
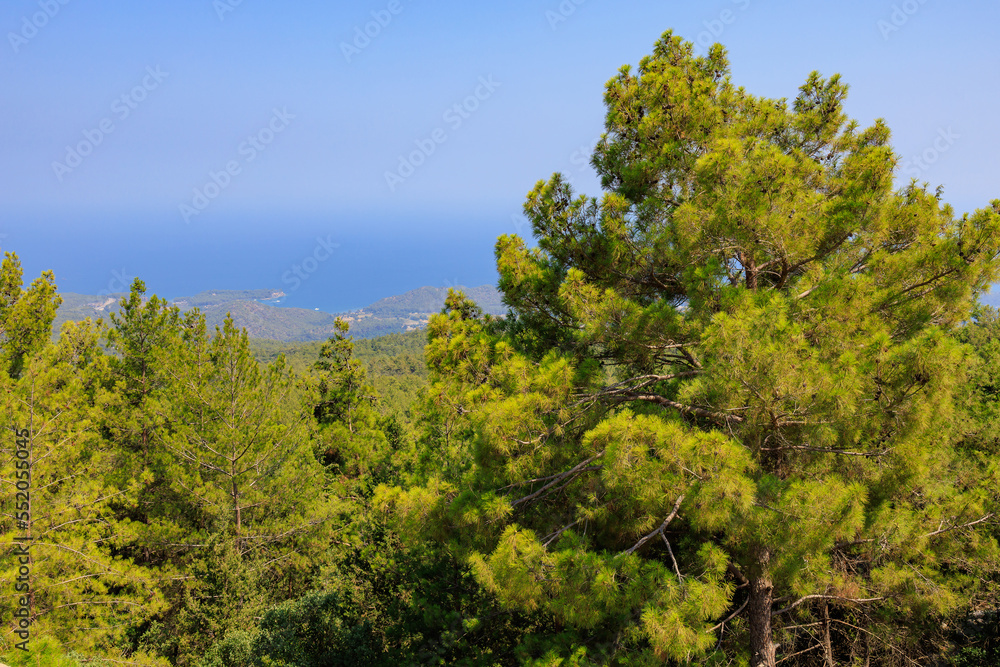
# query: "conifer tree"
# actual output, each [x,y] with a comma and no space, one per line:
[140,336]
[240,447]
[342,387]
[244,519]
[343,404]
[144,340]
[720,417]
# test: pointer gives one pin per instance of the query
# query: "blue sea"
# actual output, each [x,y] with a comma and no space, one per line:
[328,264]
[332,264]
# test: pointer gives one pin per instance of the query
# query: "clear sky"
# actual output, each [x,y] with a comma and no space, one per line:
[194,121]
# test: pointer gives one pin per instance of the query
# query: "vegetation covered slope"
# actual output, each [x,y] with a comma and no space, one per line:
[255,311]
[394,363]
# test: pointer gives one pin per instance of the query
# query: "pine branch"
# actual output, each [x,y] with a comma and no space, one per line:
[717,417]
[670,551]
[886,306]
[806,650]
[632,385]
[551,537]
[829,450]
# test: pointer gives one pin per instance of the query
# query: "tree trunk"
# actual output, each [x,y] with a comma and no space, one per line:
[762,649]
[239,516]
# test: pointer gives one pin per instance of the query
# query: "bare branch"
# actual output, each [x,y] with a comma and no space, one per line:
[718,417]
[551,537]
[829,450]
[658,531]
[805,650]
[825,597]
[677,570]
[887,305]
[964,525]
[731,616]
[575,470]
[543,479]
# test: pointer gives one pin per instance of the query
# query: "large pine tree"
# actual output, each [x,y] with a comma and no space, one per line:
[719,418]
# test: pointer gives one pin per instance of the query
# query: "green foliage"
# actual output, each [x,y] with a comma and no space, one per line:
[180,504]
[343,394]
[226,590]
[394,365]
[242,512]
[239,446]
[388,604]
[134,418]
[318,629]
[43,652]
[236,650]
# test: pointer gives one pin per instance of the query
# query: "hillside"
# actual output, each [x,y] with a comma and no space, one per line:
[262,320]
[252,310]
[413,309]
[76,307]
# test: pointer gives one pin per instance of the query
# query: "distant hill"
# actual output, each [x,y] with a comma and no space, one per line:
[412,310]
[251,310]
[76,307]
[431,300]
[215,298]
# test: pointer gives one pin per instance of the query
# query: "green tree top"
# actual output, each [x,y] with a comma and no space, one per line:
[26,316]
[342,382]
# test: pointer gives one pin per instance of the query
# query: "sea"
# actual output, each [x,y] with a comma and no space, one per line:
[331,265]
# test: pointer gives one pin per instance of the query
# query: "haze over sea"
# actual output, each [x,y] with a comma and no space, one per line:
[347,262]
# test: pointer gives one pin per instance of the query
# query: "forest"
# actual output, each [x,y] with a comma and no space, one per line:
[742,410]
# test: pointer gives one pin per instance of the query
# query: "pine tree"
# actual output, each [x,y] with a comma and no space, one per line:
[145,339]
[230,509]
[26,316]
[241,452]
[342,382]
[721,414]
[343,404]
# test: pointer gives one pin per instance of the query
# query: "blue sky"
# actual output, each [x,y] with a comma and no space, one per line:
[291,120]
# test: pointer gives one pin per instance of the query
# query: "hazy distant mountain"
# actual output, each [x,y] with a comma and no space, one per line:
[251,310]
